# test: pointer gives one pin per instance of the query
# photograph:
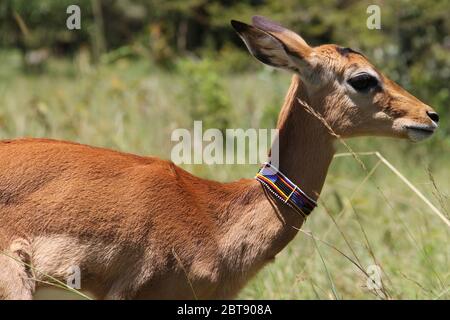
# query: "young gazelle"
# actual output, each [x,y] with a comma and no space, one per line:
[140,227]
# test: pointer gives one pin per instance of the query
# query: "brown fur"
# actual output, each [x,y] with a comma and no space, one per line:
[140,227]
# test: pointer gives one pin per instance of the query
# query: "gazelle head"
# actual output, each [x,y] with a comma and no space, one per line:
[342,85]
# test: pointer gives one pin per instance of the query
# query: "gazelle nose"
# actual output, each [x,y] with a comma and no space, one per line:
[433,116]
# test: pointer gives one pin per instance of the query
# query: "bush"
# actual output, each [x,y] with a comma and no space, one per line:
[205,92]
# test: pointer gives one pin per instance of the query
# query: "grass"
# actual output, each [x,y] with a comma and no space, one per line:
[365,217]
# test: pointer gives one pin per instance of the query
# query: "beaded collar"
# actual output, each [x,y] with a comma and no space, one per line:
[284,189]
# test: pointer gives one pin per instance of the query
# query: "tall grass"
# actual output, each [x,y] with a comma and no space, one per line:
[366,217]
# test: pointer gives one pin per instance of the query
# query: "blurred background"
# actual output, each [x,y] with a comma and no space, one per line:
[136,70]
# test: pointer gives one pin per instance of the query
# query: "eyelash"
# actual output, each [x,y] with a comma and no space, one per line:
[363,82]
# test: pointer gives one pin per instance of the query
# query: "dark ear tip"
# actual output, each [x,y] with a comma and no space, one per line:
[238,25]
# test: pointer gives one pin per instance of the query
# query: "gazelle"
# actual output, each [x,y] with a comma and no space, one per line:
[140,227]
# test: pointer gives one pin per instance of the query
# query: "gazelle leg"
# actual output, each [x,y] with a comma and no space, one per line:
[15,275]
[119,291]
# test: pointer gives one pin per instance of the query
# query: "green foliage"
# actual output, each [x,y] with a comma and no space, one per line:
[207,99]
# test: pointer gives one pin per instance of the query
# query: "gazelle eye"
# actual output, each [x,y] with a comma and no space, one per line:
[363,82]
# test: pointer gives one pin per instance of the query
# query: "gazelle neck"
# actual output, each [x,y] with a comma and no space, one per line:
[255,224]
[305,145]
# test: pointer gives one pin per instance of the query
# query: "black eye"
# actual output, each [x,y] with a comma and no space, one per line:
[363,82]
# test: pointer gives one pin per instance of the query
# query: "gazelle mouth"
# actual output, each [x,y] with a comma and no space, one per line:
[419,132]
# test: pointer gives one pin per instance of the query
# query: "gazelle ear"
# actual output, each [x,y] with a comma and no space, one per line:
[263,46]
[294,44]
[274,45]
